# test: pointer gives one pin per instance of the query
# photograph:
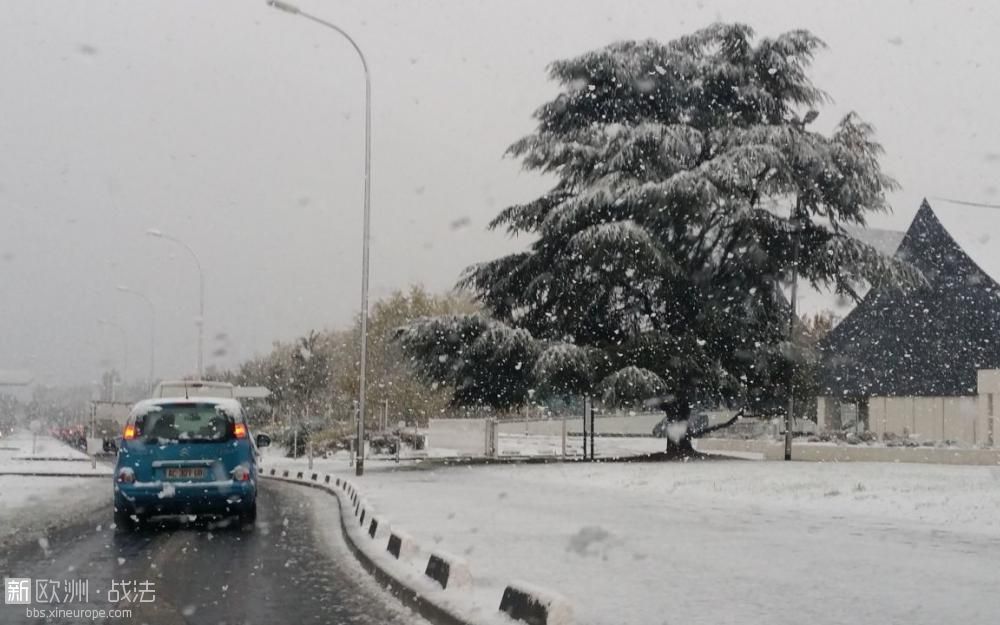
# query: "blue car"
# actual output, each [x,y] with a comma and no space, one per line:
[183,456]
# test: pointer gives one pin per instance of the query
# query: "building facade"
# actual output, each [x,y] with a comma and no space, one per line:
[919,361]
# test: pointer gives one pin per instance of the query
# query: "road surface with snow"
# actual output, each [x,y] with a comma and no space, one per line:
[285,571]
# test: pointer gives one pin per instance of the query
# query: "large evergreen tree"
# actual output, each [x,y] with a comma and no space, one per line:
[687,178]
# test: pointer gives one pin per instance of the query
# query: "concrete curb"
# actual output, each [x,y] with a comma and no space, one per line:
[409,596]
[448,570]
[526,602]
[379,528]
[402,546]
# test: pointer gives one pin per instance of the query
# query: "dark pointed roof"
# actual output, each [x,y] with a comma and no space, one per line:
[921,341]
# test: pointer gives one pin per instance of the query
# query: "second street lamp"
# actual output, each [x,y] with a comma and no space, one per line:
[152,331]
[124,363]
[294,10]
[153,232]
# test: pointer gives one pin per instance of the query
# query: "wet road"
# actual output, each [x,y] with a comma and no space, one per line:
[284,571]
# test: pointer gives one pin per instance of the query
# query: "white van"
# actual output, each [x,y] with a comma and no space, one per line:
[193,388]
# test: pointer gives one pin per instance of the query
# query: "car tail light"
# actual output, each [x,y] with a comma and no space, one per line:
[241,474]
[240,430]
[126,475]
[129,432]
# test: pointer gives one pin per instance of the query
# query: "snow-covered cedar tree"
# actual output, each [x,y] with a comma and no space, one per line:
[684,173]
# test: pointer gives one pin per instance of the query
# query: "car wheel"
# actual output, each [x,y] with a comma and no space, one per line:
[126,520]
[248,516]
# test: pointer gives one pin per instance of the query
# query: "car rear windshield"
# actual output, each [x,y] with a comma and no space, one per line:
[188,421]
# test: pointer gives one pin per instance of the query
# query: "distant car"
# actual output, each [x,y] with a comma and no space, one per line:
[111,445]
[186,456]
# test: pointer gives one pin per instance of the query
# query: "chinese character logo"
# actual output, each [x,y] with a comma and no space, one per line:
[132,591]
[76,590]
[47,591]
[147,591]
[17,590]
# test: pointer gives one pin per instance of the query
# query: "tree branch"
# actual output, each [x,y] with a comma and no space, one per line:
[718,426]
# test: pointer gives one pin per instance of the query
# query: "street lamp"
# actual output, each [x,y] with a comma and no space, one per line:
[797,227]
[294,10]
[152,330]
[124,335]
[153,232]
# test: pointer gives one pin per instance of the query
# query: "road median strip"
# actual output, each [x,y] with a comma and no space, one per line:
[54,474]
[51,458]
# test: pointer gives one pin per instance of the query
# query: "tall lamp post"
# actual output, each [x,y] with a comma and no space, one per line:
[792,319]
[111,324]
[294,10]
[152,330]
[153,232]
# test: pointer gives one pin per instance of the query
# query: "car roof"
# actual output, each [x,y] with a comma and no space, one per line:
[145,406]
[215,383]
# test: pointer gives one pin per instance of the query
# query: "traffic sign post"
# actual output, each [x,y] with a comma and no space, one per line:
[34,426]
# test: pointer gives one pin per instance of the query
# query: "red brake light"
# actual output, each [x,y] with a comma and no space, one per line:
[129,432]
[240,430]
[241,474]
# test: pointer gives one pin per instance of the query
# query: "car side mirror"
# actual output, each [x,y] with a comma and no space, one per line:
[263,440]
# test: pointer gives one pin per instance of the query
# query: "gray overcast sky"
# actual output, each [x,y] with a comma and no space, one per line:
[239,129]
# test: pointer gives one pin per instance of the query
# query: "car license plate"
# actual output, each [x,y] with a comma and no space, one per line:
[185,473]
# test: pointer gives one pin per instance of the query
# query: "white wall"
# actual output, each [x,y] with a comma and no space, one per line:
[927,418]
[973,420]
[463,437]
[987,426]
[639,424]
[467,437]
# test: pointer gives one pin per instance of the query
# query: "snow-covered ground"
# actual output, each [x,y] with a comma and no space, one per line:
[28,504]
[535,445]
[23,443]
[714,542]
[20,453]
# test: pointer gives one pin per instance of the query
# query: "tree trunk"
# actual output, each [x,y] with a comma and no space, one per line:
[679,411]
[683,448]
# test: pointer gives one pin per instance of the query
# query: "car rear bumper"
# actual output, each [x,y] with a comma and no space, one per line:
[155,498]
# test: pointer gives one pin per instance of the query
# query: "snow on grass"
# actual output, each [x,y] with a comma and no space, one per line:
[50,456]
[29,504]
[19,445]
[715,541]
